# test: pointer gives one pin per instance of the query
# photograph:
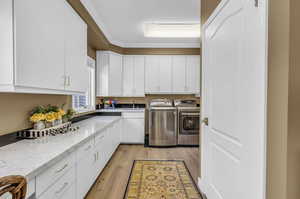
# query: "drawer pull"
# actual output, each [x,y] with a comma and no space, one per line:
[101,137]
[62,188]
[63,168]
[88,148]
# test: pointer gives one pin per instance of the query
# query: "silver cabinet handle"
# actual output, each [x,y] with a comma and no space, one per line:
[63,168]
[62,188]
[69,81]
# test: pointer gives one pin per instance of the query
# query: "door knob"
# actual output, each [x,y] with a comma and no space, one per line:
[205,121]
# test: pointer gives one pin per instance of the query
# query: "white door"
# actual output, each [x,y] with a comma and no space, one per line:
[179,74]
[152,74]
[128,75]
[165,74]
[139,76]
[234,101]
[75,51]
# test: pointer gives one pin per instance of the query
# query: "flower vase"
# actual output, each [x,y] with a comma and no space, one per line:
[39,125]
[65,120]
[58,122]
[50,124]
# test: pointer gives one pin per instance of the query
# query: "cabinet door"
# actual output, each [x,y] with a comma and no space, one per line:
[100,154]
[128,75]
[165,74]
[133,130]
[115,75]
[139,76]
[192,70]
[85,169]
[179,74]
[102,73]
[75,51]
[152,74]
[39,40]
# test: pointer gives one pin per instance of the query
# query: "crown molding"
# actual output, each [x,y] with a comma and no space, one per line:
[161,45]
[90,7]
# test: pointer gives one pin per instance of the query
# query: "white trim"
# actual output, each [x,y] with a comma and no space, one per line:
[32,90]
[88,4]
[161,45]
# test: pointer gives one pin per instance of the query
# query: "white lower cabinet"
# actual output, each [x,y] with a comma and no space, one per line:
[74,174]
[133,128]
[64,188]
[85,164]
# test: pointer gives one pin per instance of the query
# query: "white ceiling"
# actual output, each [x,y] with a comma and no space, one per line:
[122,20]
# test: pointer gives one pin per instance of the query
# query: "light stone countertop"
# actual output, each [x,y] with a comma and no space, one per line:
[29,157]
[120,110]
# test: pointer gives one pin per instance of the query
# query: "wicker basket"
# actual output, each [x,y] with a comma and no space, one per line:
[33,134]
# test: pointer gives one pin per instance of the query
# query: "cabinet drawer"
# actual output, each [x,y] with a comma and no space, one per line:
[86,148]
[100,137]
[48,177]
[64,188]
[133,114]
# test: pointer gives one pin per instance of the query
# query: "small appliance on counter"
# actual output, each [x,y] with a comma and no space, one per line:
[109,104]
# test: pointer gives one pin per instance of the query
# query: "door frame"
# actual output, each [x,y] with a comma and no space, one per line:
[202,185]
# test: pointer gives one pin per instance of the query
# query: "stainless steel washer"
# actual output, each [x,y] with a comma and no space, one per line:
[162,123]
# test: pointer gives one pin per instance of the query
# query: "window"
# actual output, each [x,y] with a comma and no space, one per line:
[84,103]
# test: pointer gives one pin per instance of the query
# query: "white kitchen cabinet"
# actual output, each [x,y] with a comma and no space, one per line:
[85,168]
[133,76]
[128,76]
[109,74]
[179,74]
[76,70]
[133,128]
[139,76]
[63,188]
[158,74]
[193,74]
[38,51]
[165,74]
[152,74]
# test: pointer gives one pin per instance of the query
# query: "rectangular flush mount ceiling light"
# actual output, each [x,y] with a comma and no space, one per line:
[172,30]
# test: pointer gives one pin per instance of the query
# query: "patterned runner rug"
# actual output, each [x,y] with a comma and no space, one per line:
[160,179]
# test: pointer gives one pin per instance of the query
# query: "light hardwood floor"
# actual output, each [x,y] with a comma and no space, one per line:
[111,184]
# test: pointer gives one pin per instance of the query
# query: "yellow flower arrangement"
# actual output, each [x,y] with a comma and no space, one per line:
[37,117]
[50,117]
[61,112]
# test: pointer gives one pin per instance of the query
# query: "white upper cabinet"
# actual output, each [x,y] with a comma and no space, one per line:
[172,74]
[186,74]
[193,74]
[109,74]
[158,74]
[128,75]
[179,74]
[133,75]
[165,74]
[44,49]
[76,70]
[152,74]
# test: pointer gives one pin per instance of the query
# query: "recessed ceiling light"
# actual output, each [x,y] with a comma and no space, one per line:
[172,30]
